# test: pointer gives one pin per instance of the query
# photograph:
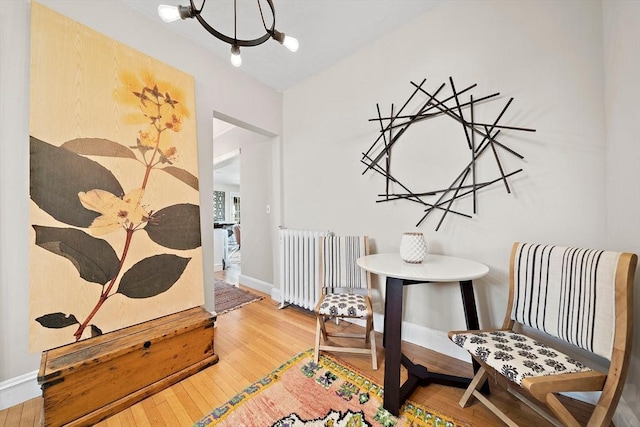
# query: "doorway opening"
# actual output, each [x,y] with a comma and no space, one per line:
[249,200]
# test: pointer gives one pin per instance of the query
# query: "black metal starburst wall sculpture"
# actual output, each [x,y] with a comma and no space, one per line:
[481,139]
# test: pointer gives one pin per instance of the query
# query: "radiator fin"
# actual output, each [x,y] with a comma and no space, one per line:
[300,267]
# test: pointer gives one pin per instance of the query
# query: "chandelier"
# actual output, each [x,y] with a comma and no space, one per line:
[173,13]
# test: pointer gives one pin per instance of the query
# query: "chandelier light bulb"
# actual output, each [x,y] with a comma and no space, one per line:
[168,13]
[236,59]
[291,43]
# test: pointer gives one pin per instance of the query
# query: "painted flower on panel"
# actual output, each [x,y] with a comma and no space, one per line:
[82,193]
[116,212]
[159,108]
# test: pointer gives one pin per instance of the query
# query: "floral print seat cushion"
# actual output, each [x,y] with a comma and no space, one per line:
[517,356]
[350,305]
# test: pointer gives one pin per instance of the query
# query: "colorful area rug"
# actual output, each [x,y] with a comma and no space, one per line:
[229,297]
[301,393]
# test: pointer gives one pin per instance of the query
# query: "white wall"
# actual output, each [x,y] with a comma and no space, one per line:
[622,115]
[219,87]
[549,57]
[257,193]
[554,73]
[14,200]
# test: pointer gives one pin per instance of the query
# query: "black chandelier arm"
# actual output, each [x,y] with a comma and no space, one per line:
[273,13]
[231,40]
[194,10]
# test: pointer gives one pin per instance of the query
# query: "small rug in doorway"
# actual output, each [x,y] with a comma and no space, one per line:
[229,297]
[301,393]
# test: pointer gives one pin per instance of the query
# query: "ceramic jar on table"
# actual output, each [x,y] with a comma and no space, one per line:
[413,247]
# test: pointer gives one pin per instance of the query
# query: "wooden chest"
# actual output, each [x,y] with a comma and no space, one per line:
[85,382]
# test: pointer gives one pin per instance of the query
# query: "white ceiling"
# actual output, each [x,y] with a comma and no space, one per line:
[228,174]
[328,30]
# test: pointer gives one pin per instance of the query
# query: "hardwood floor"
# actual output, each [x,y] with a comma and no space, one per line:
[259,337]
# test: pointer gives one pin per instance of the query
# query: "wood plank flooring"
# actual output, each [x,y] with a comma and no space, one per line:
[257,338]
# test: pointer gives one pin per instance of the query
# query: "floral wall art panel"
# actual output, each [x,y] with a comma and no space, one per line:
[114,209]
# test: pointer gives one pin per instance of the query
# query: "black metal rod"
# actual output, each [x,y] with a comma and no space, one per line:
[472,123]
[495,155]
[473,163]
[384,138]
[377,139]
[464,126]
[403,195]
[493,148]
[388,160]
[455,195]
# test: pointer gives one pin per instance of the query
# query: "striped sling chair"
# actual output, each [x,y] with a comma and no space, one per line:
[566,306]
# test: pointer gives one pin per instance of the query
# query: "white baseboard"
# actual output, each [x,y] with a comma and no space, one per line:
[257,284]
[19,389]
[218,267]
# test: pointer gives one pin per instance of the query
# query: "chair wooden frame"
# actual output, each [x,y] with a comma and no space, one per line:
[544,388]
[323,333]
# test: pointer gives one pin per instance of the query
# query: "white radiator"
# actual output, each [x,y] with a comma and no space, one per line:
[300,267]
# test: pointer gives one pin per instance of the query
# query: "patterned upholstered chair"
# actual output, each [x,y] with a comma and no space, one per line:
[345,293]
[581,298]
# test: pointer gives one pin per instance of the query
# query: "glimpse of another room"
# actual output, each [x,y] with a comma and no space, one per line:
[226,200]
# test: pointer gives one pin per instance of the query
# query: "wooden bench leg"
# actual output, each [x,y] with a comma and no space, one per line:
[477,382]
[561,411]
[533,405]
[374,354]
[316,353]
[493,408]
